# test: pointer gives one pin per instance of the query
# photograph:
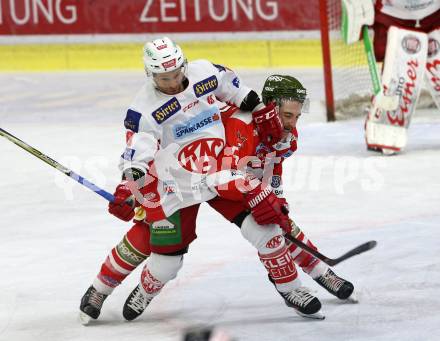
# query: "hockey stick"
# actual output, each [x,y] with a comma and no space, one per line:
[330,261]
[109,197]
[386,102]
[51,162]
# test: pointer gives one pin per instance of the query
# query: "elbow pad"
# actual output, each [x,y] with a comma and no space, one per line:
[250,101]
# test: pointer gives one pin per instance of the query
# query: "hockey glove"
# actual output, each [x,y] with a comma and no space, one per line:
[121,207]
[268,124]
[267,208]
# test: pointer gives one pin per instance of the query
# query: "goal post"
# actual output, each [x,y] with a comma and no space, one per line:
[347,80]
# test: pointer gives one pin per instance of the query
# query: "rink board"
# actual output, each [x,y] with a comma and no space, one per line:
[126,56]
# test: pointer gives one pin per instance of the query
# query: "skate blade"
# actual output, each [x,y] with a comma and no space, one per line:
[315,316]
[84,319]
[351,300]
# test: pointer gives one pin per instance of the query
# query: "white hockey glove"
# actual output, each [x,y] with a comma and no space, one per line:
[355,14]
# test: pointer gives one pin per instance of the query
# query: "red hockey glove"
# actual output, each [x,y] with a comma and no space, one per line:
[268,124]
[267,208]
[120,207]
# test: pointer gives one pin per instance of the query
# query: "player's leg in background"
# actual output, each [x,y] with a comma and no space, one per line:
[131,251]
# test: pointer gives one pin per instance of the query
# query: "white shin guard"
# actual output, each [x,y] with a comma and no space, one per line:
[158,271]
[273,253]
[265,238]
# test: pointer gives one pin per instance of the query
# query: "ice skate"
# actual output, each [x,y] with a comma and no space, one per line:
[335,285]
[136,303]
[91,304]
[304,303]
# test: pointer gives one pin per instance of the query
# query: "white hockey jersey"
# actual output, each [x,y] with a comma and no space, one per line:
[180,135]
[408,9]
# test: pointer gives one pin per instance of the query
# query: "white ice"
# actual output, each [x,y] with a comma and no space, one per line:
[54,233]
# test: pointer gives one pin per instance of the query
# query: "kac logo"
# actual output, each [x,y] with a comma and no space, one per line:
[201,156]
[167,110]
[205,86]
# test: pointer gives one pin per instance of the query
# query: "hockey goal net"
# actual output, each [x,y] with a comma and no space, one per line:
[346,76]
[348,86]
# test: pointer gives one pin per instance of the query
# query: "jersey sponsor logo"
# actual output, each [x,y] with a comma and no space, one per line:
[411,44]
[200,156]
[205,86]
[202,121]
[167,110]
[128,154]
[163,225]
[126,252]
[191,105]
[236,82]
[276,181]
[132,120]
[274,242]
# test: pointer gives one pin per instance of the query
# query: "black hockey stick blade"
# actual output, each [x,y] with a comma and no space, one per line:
[330,261]
[356,251]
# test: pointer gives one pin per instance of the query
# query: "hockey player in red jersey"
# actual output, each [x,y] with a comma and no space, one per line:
[175,133]
[407,40]
[245,140]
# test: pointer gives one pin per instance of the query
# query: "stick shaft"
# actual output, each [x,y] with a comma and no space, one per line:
[329,261]
[55,164]
[372,64]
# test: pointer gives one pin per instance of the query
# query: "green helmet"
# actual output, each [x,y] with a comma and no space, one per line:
[279,87]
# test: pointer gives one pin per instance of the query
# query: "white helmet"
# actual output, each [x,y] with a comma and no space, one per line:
[162,55]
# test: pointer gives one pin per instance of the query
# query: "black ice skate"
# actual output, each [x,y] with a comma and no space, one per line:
[335,285]
[91,304]
[136,303]
[304,303]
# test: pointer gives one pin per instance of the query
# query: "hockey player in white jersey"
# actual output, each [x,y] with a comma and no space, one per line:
[407,39]
[174,137]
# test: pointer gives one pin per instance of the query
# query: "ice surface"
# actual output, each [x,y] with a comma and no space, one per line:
[54,233]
